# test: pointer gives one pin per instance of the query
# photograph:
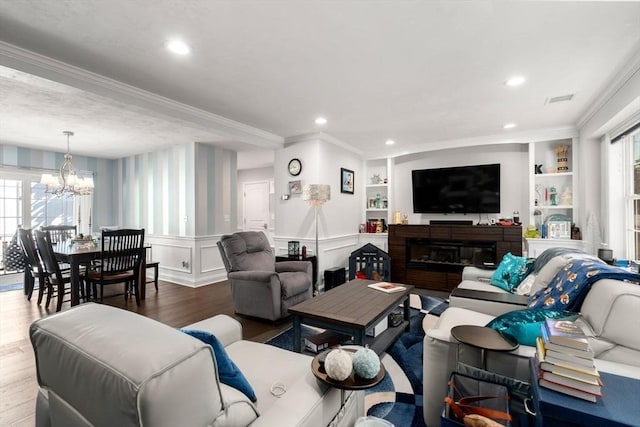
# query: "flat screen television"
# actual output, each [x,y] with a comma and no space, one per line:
[461,189]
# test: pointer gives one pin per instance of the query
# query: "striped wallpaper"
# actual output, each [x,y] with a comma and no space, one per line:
[188,190]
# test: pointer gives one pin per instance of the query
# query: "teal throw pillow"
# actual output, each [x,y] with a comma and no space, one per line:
[511,271]
[228,372]
[524,325]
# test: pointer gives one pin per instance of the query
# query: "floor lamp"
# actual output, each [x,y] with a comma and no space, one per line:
[316,195]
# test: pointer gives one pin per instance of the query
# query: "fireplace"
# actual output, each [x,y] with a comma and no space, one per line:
[448,255]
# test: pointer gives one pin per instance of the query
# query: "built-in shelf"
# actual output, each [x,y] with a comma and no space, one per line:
[544,153]
[377,203]
[553,175]
[555,207]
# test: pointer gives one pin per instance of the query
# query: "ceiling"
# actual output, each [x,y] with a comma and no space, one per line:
[423,73]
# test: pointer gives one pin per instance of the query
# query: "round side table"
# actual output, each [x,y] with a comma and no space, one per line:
[353,382]
[483,338]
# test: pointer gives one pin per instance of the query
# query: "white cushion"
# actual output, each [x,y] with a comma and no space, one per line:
[524,288]
[548,272]
[226,329]
[611,309]
[477,274]
[480,286]
[307,401]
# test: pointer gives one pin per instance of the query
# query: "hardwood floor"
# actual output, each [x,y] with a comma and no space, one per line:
[173,305]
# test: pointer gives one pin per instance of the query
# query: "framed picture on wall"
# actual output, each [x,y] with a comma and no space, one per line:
[346,181]
[295,187]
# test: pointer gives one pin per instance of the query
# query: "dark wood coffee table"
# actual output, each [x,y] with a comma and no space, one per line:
[352,309]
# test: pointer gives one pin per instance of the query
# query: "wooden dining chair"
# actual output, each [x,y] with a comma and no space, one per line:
[60,233]
[120,262]
[34,264]
[55,277]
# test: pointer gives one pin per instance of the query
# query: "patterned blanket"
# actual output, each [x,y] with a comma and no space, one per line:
[568,289]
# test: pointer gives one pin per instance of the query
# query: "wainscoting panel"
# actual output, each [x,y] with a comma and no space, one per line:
[333,251]
[381,240]
[188,261]
[210,259]
[173,257]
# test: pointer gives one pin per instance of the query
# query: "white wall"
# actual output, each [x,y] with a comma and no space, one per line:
[338,219]
[514,178]
[321,163]
[600,163]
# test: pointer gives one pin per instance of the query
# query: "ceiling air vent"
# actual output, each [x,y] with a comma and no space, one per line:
[560,98]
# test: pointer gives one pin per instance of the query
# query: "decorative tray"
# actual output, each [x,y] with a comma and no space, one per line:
[353,382]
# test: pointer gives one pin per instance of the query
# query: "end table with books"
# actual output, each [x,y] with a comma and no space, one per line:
[617,407]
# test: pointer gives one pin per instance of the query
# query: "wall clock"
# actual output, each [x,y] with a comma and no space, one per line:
[295,167]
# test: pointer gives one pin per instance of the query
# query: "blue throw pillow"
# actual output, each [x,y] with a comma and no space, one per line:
[524,325]
[511,271]
[228,372]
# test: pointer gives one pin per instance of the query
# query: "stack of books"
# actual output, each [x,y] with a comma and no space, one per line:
[565,361]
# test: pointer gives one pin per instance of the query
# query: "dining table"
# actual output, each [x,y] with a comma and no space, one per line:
[78,254]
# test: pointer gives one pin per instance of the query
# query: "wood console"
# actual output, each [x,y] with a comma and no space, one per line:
[433,256]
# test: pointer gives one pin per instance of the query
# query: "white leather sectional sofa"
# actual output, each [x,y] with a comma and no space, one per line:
[609,316]
[102,366]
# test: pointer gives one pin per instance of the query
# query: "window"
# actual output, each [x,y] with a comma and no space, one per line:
[24,203]
[10,207]
[49,210]
[632,148]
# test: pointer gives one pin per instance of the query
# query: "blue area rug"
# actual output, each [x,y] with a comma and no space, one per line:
[12,287]
[403,409]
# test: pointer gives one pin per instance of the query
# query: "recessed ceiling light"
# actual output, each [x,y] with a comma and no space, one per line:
[509,126]
[515,81]
[178,47]
[390,142]
[321,121]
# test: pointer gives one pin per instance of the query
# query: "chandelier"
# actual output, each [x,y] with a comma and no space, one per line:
[69,182]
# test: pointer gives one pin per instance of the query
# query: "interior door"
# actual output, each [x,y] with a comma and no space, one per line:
[255,206]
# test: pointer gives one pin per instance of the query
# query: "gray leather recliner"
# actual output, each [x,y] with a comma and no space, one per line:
[261,287]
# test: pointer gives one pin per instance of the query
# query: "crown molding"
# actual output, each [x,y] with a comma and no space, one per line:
[627,71]
[522,137]
[33,63]
[314,136]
